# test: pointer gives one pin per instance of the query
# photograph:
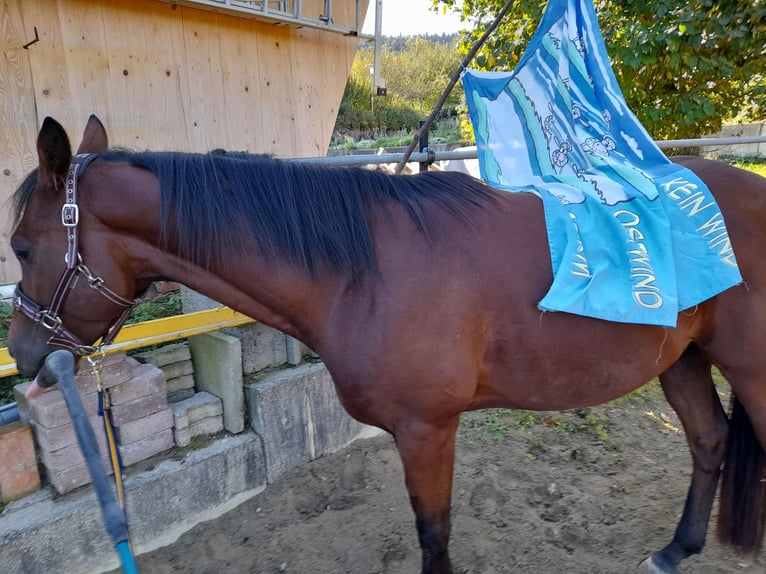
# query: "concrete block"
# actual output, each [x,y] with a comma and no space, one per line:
[201,406]
[52,439]
[761,149]
[18,463]
[146,447]
[294,349]
[65,535]
[277,413]
[147,380]
[70,455]
[262,347]
[179,383]
[210,425]
[333,427]
[49,409]
[116,369]
[63,458]
[134,410]
[68,479]
[742,150]
[743,130]
[153,424]
[192,301]
[299,417]
[91,402]
[178,369]
[182,395]
[19,395]
[166,355]
[218,370]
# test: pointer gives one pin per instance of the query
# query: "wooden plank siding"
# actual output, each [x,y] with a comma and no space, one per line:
[165,77]
[17,121]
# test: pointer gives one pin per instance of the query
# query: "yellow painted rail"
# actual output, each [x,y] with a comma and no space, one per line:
[157,331]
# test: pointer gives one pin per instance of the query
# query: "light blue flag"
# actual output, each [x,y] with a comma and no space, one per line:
[633,237]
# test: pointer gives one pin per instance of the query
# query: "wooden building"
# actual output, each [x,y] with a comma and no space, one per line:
[262,76]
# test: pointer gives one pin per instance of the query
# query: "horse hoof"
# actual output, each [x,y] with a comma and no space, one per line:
[652,566]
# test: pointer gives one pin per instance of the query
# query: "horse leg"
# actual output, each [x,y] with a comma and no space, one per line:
[428,454]
[688,386]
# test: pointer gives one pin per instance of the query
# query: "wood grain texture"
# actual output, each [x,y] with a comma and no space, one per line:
[18,121]
[164,77]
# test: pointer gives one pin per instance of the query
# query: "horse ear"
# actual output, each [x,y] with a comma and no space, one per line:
[54,151]
[94,139]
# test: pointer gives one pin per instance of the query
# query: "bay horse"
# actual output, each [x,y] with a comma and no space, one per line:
[419,293]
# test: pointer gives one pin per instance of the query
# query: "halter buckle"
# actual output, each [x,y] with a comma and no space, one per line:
[50,322]
[70,215]
[93,280]
[88,350]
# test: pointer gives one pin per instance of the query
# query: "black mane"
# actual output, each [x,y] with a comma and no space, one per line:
[311,215]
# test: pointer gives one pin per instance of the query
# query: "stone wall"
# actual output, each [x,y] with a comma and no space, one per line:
[140,413]
[248,378]
[274,420]
[753,150]
[154,406]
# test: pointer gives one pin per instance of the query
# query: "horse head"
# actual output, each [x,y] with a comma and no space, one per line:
[59,301]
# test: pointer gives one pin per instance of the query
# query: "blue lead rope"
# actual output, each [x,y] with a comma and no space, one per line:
[60,365]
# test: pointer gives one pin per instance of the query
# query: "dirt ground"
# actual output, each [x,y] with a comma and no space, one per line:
[593,491]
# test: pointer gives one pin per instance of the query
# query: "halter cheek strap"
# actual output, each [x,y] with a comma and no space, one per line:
[50,318]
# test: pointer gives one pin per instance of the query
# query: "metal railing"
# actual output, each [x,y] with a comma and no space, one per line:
[470,152]
[284,12]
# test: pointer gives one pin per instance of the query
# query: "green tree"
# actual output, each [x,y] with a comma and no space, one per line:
[684,67]
[416,70]
[419,73]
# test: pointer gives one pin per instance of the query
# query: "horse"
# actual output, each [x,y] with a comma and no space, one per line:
[418,292]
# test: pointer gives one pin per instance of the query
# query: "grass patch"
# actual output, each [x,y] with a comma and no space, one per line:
[490,425]
[160,306]
[442,132]
[756,165]
[7,383]
[494,425]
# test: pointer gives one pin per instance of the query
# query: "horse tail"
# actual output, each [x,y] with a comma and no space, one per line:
[742,500]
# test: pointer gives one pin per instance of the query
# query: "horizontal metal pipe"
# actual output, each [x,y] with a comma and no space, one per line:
[708,142]
[9,414]
[471,152]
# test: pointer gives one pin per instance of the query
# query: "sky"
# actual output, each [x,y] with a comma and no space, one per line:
[411,17]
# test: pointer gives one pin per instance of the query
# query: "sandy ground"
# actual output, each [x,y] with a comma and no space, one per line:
[593,491]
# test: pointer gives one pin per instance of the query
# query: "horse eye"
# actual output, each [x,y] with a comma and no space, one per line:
[21,254]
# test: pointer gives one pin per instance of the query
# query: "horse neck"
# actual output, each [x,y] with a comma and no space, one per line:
[274,293]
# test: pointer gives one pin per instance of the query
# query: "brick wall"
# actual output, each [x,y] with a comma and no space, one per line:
[18,464]
[154,407]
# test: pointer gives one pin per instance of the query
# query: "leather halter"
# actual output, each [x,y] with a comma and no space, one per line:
[49,318]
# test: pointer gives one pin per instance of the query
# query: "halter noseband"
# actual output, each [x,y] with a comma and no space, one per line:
[49,318]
